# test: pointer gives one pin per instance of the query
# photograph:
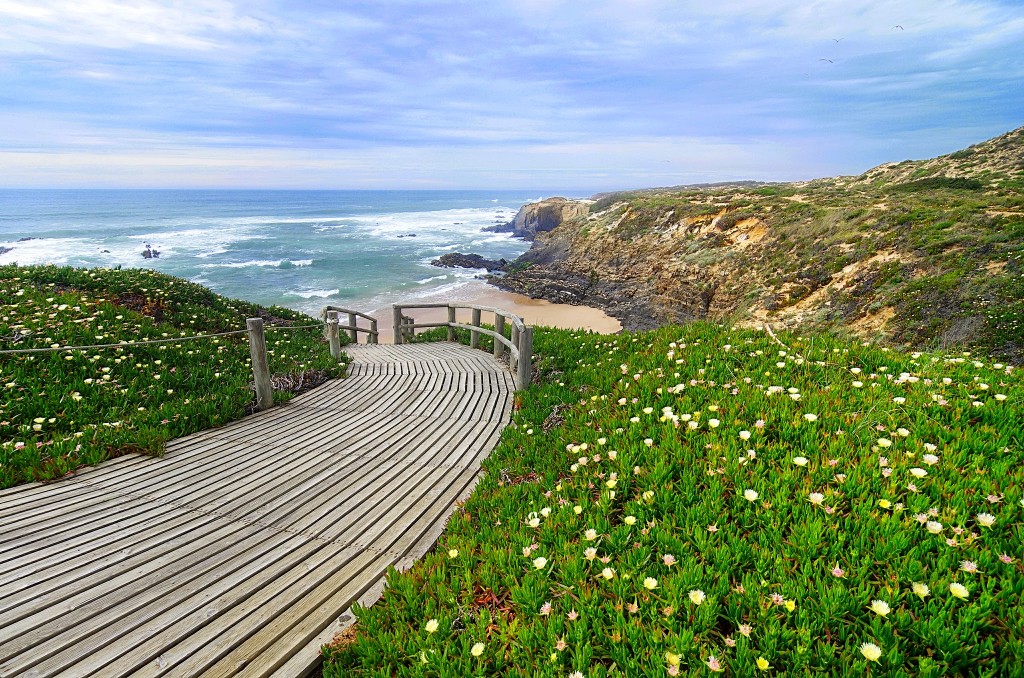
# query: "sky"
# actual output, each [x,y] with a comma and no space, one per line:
[544,95]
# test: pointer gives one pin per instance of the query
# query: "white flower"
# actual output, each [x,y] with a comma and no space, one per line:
[985,519]
[918,472]
[921,590]
[608,573]
[750,495]
[930,459]
[959,591]
[539,562]
[880,607]
[478,649]
[744,435]
[811,417]
[800,461]
[590,535]
[933,526]
[696,596]
[431,626]
[871,651]
[650,583]
[816,498]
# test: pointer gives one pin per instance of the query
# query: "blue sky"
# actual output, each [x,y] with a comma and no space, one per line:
[528,94]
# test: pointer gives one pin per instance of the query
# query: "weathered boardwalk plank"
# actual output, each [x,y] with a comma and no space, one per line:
[238,552]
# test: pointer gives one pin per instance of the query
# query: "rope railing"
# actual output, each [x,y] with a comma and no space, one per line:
[257,351]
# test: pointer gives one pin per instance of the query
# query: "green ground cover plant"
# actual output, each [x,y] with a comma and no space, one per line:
[704,500]
[62,410]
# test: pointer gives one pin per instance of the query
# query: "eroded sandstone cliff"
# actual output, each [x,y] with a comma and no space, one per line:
[928,252]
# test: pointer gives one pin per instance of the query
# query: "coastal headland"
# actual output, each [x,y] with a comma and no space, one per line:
[917,253]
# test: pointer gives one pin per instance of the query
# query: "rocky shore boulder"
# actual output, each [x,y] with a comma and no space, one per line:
[543,216]
[459,260]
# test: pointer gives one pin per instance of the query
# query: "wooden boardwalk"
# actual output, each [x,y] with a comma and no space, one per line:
[239,552]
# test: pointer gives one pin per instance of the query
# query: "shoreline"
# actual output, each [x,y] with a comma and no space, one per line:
[532,311]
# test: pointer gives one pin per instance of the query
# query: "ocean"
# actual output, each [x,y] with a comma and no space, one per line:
[299,249]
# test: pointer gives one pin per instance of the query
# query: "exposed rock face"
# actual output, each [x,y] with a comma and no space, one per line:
[904,253]
[5,250]
[543,216]
[459,260]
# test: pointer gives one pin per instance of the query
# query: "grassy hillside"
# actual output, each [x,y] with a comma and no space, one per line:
[701,499]
[61,410]
[919,253]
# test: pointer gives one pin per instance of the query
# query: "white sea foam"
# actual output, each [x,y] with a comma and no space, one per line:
[311,294]
[426,281]
[279,263]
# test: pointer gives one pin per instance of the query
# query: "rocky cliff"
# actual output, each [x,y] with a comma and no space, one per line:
[543,216]
[915,253]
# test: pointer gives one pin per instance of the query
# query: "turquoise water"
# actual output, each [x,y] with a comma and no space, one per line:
[300,249]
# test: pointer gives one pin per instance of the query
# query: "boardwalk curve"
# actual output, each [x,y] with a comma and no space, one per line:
[239,552]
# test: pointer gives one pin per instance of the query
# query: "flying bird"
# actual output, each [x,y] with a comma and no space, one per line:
[836,39]
[897,26]
[828,60]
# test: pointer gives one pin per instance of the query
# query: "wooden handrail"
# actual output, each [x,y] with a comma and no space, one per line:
[520,347]
[352,327]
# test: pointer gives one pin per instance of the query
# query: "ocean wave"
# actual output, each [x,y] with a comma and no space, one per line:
[311,294]
[276,263]
[431,279]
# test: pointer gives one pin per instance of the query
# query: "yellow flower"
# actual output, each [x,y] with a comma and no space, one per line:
[884,503]
[762,664]
[454,553]
[629,520]
[696,596]
[608,573]
[539,562]
[880,607]
[921,590]
[871,651]
[959,591]
[650,583]
[790,605]
[672,659]
[477,650]
[431,626]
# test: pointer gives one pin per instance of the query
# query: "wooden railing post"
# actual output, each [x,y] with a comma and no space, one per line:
[451,319]
[523,370]
[514,360]
[396,317]
[474,337]
[372,339]
[260,369]
[499,327]
[333,336]
[407,331]
[352,333]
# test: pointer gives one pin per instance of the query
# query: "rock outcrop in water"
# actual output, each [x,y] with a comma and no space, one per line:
[459,260]
[543,216]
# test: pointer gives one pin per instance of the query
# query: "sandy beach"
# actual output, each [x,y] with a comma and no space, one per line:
[532,311]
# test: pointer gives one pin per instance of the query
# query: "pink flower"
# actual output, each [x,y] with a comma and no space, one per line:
[545,609]
[759,423]
[1006,559]
[561,644]
[995,498]
[668,559]
[778,599]
[746,630]
[633,608]
[969,566]
[730,642]
[838,572]
[712,528]
[714,664]
[673,670]
[573,615]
